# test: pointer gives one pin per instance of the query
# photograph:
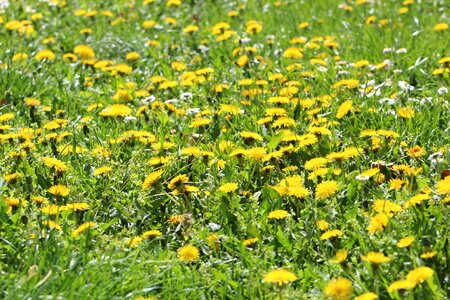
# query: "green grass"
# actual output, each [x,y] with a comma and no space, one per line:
[110,261]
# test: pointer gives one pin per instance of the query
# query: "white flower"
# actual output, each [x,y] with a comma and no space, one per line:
[362,177]
[128,119]
[148,99]
[213,226]
[387,50]
[403,85]
[186,96]
[193,111]
[442,90]
[401,50]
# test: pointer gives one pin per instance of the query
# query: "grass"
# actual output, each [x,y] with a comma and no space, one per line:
[337,149]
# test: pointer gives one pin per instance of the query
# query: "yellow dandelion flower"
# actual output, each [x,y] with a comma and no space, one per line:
[440,27]
[326,189]
[250,242]
[339,289]
[280,277]
[378,223]
[188,253]
[443,186]
[344,108]
[376,258]
[59,190]
[367,296]
[151,233]
[82,228]
[116,110]
[45,54]
[331,234]
[278,214]
[55,164]
[406,242]
[428,254]
[400,285]
[323,225]
[102,170]
[84,51]
[419,275]
[52,224]
[151,179]
[228,187]
[340,257]
[177,181]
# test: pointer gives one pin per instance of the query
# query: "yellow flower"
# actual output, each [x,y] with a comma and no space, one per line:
[151,233]
[340,257]
[55,164]
[386,206]
[294,53]
[326,188]
[331,234]
[400,285]
[339,289]
[344,108]
[45,54]
[83,227]
[76,206]
[20,56]
[378,223]
[52,224]
[406,112]
[367,296]
[280,277]
[315,163]
[376,258]
[440,27]
[151,179]
[59,190]
[419,275]
[190,28]
[278,214]
[102,170]
[428,255]
[406,242]
[250,242]
[199,122]
[177,181]
[131,56]
[228,187]
[416,151]
[188,253]
[84,51]
[323,225]
[116,110]
[443,186]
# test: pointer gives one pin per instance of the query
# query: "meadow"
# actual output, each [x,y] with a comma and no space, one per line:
[175,149]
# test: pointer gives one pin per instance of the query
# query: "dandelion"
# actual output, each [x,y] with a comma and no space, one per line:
[419,275]
[406,242]
[367,296]
[340,257]
[59,190]
[331,234]
[376,258]
[188,253]
[45,54]
[443,186]
[228,187]
[280,277]
[339,289]
[400,285]
[278,214]
[326,189]
[102,170]
[151,233]
[428,254]
[440,27]
[151,179]
[82,228]
[84,51]
[55,164]
[250,242]
[116,110]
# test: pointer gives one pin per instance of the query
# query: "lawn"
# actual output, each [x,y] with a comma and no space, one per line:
[168,149]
